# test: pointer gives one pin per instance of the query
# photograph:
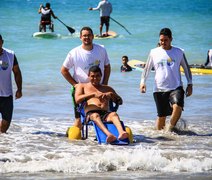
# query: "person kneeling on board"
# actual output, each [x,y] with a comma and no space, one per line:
[98,96]
[46,13]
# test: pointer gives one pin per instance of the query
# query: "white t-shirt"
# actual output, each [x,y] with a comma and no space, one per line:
[167,68]
[105,8]
[81,60]
[6,66]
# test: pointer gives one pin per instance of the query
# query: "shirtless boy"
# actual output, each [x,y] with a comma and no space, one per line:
[97,96]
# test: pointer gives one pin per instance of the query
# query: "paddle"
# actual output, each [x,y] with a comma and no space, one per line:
[71,30]
[119,24]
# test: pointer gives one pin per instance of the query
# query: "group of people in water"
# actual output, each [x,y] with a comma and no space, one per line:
[104,7]
[91,71]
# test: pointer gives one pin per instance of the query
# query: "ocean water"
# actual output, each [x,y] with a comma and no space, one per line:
[36,147]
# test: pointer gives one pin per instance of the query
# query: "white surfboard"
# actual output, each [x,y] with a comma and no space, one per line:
[47,35]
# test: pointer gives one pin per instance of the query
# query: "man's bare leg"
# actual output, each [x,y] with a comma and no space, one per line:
[100,29]
[107,29]
[160,122]
[78,123]
[176,114]
[4,126]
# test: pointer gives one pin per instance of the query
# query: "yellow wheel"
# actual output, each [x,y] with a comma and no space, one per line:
[74,133]
[129,131]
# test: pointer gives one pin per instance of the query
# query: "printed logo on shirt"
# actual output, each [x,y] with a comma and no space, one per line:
[3,65]
[170,61]
[95,63]
[165,62]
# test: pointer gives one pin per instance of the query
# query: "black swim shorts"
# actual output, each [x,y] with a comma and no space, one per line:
[104,20]
[103,114]
[165,100]
[6,108]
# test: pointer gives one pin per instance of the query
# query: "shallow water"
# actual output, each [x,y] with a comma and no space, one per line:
[36,147]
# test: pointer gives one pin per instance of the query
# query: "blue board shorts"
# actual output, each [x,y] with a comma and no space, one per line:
[165,100]
[6,108]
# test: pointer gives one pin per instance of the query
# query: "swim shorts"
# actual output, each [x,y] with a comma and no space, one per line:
[103,114]
[104,20]
[6,108]
[165,100]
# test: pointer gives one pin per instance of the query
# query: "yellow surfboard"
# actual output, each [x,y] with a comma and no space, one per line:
[199,70]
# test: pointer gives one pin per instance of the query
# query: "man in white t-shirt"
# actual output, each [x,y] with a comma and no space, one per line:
[168,91]
[80,59]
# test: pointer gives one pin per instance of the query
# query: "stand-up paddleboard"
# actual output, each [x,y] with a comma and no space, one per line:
[111,34]
[137,64]
[199,69]
[47,35]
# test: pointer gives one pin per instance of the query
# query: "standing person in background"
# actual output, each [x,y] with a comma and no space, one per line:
[168,92]
[8,64]
[105,9]
[125,67]
[208,62]
[46,13]
[81,59]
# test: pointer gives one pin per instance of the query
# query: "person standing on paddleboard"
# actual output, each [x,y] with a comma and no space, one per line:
[81,59]
[208,62]
[8,64]
[168,91]
[46,13]
[105,9]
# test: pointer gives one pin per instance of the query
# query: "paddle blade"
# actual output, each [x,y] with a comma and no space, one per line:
[71,30]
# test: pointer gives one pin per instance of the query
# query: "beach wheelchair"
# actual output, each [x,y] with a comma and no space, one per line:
[100,136]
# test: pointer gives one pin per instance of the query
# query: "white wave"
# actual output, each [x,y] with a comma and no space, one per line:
[106,158]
